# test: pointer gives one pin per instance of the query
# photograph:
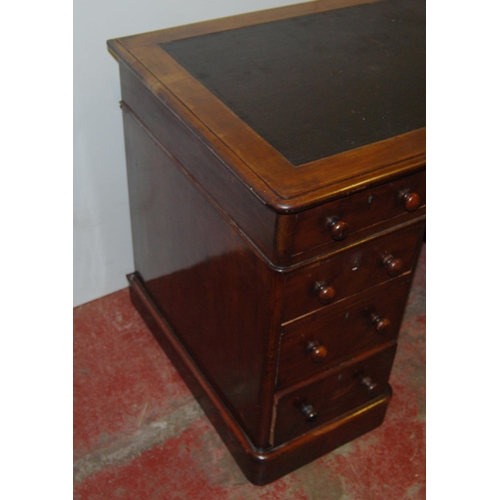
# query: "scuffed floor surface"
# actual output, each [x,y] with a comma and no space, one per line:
[139,435]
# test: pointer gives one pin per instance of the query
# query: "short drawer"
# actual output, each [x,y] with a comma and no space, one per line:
[348,219]
[355,269]
[326,341]
[342,390]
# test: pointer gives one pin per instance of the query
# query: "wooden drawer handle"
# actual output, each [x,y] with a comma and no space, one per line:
[317,351]
[325,293]
[310,413]
[339,229]
[368,383]
[381,324]
[394,266]
[411,201]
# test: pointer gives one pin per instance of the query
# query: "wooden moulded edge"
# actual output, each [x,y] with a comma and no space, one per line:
[259,466]
[248,156]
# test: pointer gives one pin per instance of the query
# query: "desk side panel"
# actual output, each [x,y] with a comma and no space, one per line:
[217,295]
[231,194]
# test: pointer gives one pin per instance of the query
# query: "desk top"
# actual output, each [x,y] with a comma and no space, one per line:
[317,85]
[315,97]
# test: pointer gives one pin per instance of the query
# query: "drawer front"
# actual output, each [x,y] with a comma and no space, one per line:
[343,221]
[321,286]
[341,391]
[328,340]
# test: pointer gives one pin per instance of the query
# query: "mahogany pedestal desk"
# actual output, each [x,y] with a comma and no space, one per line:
[276,171]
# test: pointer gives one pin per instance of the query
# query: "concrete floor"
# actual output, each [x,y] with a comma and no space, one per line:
[139,434]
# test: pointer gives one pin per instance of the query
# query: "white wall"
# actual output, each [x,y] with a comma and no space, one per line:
[101,229]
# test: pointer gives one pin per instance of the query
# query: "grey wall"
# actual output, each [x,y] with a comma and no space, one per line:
[101,228]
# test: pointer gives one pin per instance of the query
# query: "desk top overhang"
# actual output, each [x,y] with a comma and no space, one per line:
[301,102]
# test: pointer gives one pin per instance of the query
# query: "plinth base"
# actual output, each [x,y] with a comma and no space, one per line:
[259,466]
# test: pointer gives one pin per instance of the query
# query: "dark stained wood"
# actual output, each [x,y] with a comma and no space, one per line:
[412,201]
[276,289]
[256,219]
[362,75]
[339,229]
[351,271]
[324,292]
[343,335]
[381,324]
[316,351]
[167,130]
[363,211]
[394,265]
[200,283]
[259,466]
[252,159]
[333,394]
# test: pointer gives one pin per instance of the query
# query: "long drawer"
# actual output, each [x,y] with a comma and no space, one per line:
[327,340]
[319,286]
[334,225]
[340,391]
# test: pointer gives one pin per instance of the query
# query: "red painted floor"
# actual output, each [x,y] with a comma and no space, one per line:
[138,433]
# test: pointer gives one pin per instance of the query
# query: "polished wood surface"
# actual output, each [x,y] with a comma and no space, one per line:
[203,286]
[168,130]
[273,178]
[276,288]
[268,91]
[332,394]
[349,272]
[339,229]
[260,466]
[367,211]
[340,336]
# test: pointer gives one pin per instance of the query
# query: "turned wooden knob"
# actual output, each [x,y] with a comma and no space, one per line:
[317,351]
[394,266]
[339,229]
[310,413]
[381,324]
[325,293]
[368,383]
[411,201]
